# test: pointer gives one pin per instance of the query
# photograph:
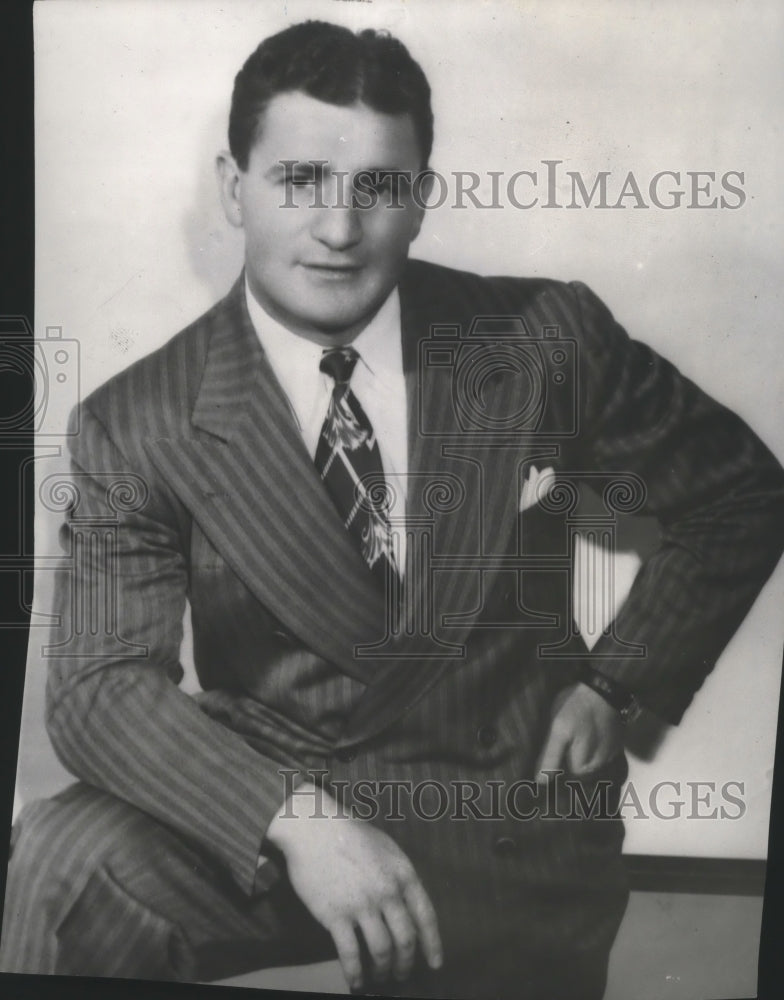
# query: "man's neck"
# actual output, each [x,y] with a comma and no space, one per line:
[323,337]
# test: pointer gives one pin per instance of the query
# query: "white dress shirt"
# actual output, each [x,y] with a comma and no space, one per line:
[378,383]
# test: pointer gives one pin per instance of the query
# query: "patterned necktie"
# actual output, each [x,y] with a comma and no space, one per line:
[349,462]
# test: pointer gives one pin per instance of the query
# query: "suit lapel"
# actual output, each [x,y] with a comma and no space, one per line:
[249,481]
[464,478]
[463,488]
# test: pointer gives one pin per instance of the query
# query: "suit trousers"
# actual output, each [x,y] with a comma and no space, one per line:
[98,888]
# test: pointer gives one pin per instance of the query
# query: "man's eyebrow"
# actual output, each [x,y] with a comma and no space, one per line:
[287,168]
[312,168]
[384,170]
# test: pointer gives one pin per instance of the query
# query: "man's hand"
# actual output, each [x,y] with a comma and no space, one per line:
[352,876]
[585,732]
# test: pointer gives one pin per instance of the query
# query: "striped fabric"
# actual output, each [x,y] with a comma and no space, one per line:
[86,853]
[292,644]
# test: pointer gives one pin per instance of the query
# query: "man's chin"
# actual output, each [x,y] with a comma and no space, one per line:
[327,331]
[334,322]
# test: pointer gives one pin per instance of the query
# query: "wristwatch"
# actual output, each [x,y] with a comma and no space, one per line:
[622,700]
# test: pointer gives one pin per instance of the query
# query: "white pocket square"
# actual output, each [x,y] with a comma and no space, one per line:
[536,487]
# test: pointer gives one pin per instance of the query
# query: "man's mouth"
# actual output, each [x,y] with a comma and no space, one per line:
[332,270]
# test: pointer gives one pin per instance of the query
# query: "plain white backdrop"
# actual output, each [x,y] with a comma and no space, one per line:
[131,106]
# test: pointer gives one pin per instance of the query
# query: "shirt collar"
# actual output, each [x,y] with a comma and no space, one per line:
[295,360]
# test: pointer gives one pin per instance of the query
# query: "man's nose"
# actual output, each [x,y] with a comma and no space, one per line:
[335,222]
[338,227]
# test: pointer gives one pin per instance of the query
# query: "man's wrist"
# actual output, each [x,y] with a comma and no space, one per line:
[307,801]
[615,694]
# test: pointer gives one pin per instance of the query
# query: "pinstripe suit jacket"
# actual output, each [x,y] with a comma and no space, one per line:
[235,520]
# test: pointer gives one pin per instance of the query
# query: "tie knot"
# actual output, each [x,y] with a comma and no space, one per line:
[339,362]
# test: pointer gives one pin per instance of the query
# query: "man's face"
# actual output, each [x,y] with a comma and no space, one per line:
[317,261]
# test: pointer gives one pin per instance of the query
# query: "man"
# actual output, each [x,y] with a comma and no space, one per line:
[407,644]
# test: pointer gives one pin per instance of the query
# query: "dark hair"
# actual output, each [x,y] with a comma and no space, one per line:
[335,65]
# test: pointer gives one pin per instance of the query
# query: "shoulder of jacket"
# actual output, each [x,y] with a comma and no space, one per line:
[166,379]
[507,293]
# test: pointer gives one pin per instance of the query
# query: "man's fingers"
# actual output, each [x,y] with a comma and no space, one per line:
[378,941]
[345,938]
[581,756]
[553,755]
[424,916]
[404,936]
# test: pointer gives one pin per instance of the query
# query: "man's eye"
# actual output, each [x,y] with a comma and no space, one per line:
[300,181]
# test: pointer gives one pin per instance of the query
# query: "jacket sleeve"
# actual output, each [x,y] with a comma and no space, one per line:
[115,714]
[716,490]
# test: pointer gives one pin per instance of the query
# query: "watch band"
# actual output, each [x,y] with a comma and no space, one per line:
[622,700]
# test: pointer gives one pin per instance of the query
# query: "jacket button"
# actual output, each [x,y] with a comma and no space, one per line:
[346,754]
[504,846]
[487,736]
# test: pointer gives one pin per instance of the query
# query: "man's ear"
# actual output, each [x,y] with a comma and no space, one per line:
[422,187]
[229,180]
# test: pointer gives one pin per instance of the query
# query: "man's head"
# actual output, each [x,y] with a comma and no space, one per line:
[334,65]
[318,258]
